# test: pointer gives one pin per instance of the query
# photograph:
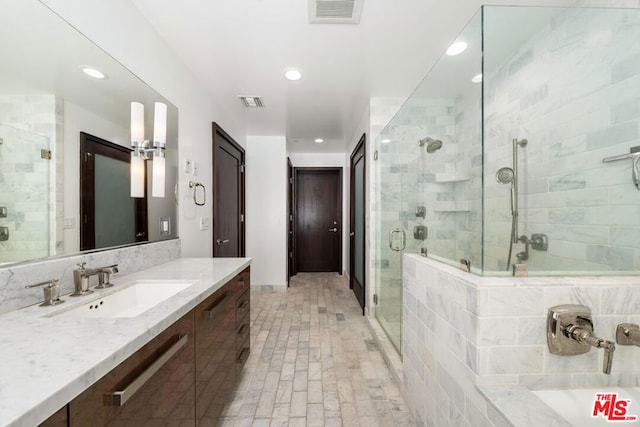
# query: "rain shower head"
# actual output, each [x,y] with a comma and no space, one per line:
[432,144]
[505,175]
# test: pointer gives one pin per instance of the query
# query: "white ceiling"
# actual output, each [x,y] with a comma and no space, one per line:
[243,47]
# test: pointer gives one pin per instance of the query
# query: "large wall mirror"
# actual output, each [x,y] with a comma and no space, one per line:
[47,104]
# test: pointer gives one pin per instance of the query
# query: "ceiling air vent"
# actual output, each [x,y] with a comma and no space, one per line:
[251,101]
[335,11]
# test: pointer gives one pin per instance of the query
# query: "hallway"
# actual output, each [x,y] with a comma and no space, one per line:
[313,361]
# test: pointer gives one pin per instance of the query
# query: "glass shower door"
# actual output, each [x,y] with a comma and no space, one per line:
[391,237]
[24,214]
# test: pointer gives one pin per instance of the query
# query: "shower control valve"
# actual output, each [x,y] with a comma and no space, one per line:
[570,332]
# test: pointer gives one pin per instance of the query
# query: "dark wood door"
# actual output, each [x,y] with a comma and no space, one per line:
[357,205]
[318,235]
[109,216]
[290,223]
[228,195]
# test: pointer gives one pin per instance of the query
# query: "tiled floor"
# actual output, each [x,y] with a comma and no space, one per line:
[313,362]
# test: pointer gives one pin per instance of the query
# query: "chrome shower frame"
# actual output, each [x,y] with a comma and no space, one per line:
[515,238]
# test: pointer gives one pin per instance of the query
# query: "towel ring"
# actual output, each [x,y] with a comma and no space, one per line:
[195,186]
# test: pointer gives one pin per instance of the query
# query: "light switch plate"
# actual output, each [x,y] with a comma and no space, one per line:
[195,168]
[204,223]
[188,165]
[165,226]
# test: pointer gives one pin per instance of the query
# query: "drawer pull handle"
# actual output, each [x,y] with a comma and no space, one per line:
[242,329]
[120,397]
[213,309]
[243,304]
[244,355]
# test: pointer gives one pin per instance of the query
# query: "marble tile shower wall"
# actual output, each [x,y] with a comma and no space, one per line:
[573,90]
[462,330]
[130,259]
[31,123]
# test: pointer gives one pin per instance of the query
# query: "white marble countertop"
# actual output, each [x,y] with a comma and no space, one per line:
[46,361]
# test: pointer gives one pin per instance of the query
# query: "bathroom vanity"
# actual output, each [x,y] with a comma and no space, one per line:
[176,362]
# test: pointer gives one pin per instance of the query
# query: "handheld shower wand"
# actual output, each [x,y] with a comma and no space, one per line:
[507,175]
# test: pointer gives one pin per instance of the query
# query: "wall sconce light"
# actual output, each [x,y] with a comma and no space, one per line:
[141,150]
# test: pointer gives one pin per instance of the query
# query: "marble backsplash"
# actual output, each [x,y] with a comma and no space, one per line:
[131,259]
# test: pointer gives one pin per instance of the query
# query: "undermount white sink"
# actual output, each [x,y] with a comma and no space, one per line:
[130,301]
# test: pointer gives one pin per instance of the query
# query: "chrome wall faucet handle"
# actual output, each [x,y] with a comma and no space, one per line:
[51,292]
[628,334]
[570,332]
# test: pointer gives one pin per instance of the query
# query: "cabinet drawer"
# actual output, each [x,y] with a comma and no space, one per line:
[241,356]
[243,307]
[154,385]
[242,334]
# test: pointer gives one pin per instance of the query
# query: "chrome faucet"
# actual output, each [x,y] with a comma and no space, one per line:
[104,274]
[81,280]
[51,292]
[570,332]
[81,277]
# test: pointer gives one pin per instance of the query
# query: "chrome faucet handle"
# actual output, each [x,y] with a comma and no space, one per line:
[570,332]
[80,281]
[628,334]
[51,292]
[609,348]
[585,336]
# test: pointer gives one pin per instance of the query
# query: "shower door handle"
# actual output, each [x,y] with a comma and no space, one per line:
[404,239]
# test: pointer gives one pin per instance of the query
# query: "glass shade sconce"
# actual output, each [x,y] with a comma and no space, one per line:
[143,150]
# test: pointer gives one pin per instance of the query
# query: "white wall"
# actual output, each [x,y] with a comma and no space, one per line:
[266,209]
[135,44]
[317,160]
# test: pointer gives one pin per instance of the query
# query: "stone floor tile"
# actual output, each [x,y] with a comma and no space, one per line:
[313,362]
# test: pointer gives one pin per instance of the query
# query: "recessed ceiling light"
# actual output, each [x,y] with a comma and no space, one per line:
[318,140]
[293,75]
[385,141]
[92,72]
[456,48]
[477,78]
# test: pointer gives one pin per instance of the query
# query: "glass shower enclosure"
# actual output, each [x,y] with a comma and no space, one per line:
[523,149]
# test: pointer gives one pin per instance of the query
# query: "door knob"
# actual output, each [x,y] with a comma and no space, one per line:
[220,241]
[333,230]
[352,234]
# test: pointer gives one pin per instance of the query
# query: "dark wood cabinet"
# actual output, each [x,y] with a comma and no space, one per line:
[185,376]
[218,331]
[59,419]
[243,307]
[166,397]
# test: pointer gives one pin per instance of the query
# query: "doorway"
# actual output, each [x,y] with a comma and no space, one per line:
[228,195]
[357,221]
[318,217]
[109,216]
